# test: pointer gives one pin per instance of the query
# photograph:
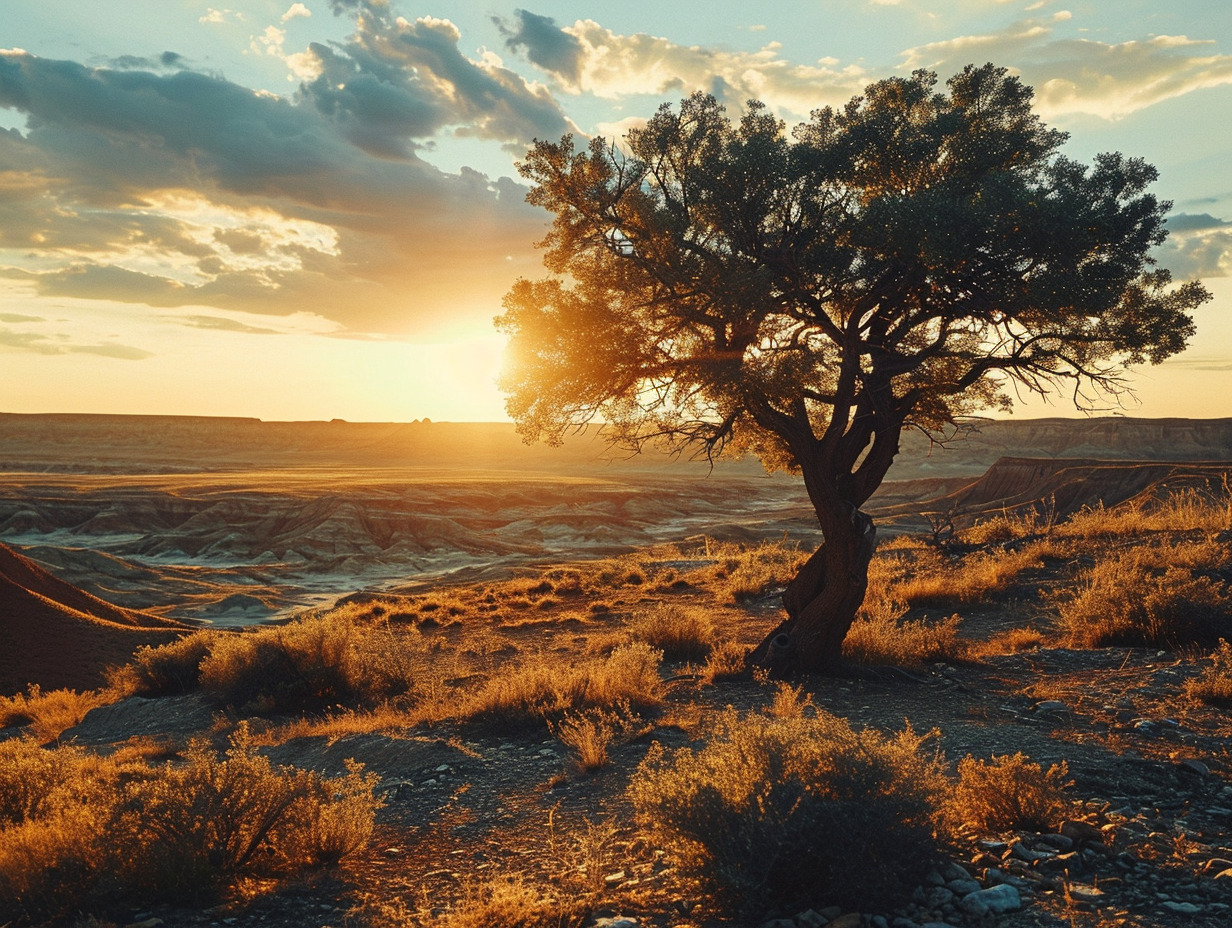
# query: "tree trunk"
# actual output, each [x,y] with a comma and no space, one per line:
[821,602]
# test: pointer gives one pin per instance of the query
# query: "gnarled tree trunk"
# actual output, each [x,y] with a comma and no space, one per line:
[822,601]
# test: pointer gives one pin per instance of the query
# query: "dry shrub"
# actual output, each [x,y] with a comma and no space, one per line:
[1015,640]
[1189,509]
[590,733]
[1009,792]
[1137,598]
[744,573]
[310,664]
[973,579]
[1214,683]
[880,635]
[78,831]
[682,633]
[728,660]
[541,690]
[49,714]
[798,811]
[167,669]
[512,903]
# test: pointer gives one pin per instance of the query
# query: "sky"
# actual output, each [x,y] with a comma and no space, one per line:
[311,210]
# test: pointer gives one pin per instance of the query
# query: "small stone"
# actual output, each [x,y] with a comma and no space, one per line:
[933,878]
[779,923]
[615,879]
[1051,705]
[830,913]
[620,921]
[145,923]
[1023,852]
[937,896]
[991,845]
[904,922]
[1081,892]
[849,920]
[443,768]
[1061,843]
[995,899]
[809,919]
[964,887]
[1081,832]
[431,782]
[1195,766]
[953,871]
[879,921]
[1182,908]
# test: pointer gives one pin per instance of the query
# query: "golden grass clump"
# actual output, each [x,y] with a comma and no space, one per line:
[880,635]
[682,633]
[797,811]
[1214,684]
[1009,792]
[541,690]
[511,902]
[78,831]
[51,713]
[937,581]
[591,732]
[310,664]
[166,669]
[745,573]
[1145,596]
[727,661]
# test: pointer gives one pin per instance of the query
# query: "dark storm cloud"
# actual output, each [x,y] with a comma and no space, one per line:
[546,44]
[407,244]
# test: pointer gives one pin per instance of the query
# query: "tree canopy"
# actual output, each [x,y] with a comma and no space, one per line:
[917,255]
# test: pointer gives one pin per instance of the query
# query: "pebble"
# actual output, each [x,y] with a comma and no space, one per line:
[850,920]
[963,887]
[1051,705]
[1182,908]
[809,919]
[995,899]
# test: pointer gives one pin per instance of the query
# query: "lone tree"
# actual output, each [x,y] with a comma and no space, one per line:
[908,259]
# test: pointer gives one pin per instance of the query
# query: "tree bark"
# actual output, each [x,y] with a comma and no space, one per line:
[821,602]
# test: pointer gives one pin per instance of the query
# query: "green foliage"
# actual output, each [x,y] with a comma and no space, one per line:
[797,810]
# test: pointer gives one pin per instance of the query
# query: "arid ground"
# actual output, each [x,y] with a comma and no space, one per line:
[502,638]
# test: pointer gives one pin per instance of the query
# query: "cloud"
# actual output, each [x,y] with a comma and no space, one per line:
[296,11]
[18,317]
[1197,250]
[611,65]
[181,188]
[395,82]
[49,345]
[218,323]
[1109,80]
[1188,222]
[546,45]
[218,17]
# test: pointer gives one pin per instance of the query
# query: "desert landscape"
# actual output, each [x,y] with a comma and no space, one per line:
[391,675]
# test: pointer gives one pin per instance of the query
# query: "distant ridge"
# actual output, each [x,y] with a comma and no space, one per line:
[58,636]
[102,444]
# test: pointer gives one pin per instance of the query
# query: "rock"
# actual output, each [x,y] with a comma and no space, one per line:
[1061,843]
[1051,705]
[1081,892]
[904,922]
[145,923]
[849,920]
[995,899]
[879,921]
[830,912]
[963,887]
[937,896]
[809,919]
[1194,766]
[615,879]
[933,878]
[1182,908]
[953,871]
[1022,852]
[1081,832]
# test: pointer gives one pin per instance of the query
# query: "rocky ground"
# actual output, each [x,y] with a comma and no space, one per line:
[1148,841]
